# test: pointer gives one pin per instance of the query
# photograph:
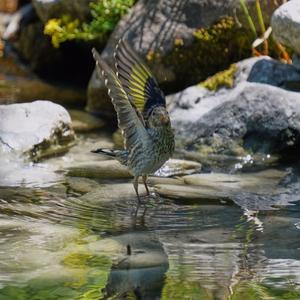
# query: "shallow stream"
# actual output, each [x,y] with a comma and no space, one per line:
[59,239]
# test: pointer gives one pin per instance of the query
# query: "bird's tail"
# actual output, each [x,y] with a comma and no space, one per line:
[107,152]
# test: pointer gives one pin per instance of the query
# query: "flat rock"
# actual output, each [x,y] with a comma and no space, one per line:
[37,129]
[177,167]
[286,25]
[264,181]
[106,193]
[107,169]
[187,192]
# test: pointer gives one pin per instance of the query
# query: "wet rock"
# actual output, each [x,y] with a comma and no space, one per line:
[152,180]
[36,129]
[164,33]
[251,117]
[106,193]
[264,181]
[54,9]
[286,25]
[177,167]
[107,169]
[186,192]
[84,122]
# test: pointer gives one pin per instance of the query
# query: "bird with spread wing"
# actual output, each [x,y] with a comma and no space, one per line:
[141,112]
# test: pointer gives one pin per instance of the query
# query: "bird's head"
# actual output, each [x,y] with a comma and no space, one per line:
[159,117]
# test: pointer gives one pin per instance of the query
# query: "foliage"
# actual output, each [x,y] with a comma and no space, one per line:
[213,49]
[263,37]
[220,79]
[105,14]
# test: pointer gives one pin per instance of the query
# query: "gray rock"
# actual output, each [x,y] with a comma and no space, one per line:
[109,193]
[47,9]
[250,117]
[188,192]
[177,167]
[286,25]
[106,169]
[37,129]
[154,26]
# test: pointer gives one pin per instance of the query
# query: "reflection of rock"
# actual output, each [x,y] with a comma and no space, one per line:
[21,89]
[141,269]
[163,32]
[286,25]
[256,117]
[36,129]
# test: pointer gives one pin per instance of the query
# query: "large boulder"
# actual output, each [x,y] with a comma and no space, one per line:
[286,25]
[250,117]
[36,129]
[182,41]
[71,63]
[47,9]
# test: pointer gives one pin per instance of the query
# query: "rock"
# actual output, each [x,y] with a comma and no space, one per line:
[25,30]
[168,35]
[186,192]
[107,193]
[107,169]
[264,181]
[286,25]
[250,117]
[84,122]
[47,9]
[37,129]
[177,167]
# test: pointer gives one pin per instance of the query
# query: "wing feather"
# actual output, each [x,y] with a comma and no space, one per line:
[133,130]
[136,78]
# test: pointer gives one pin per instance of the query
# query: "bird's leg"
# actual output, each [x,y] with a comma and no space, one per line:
[145,183]
[136,187]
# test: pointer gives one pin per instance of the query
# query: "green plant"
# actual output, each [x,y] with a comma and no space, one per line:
[105,14]
[264,35]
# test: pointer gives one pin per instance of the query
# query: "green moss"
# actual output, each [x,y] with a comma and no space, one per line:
[220,79]
[213,49]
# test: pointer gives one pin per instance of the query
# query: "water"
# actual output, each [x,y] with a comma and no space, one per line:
[54,244]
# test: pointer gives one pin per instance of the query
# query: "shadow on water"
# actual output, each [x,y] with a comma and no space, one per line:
[56,245]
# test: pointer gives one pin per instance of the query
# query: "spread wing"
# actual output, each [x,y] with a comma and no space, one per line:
[130,124]
[138,82]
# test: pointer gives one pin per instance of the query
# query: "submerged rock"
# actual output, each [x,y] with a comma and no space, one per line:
[36,129]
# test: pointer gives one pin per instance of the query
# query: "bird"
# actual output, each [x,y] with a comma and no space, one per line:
[141,112]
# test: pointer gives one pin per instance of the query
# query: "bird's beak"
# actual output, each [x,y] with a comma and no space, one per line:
[164,119]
